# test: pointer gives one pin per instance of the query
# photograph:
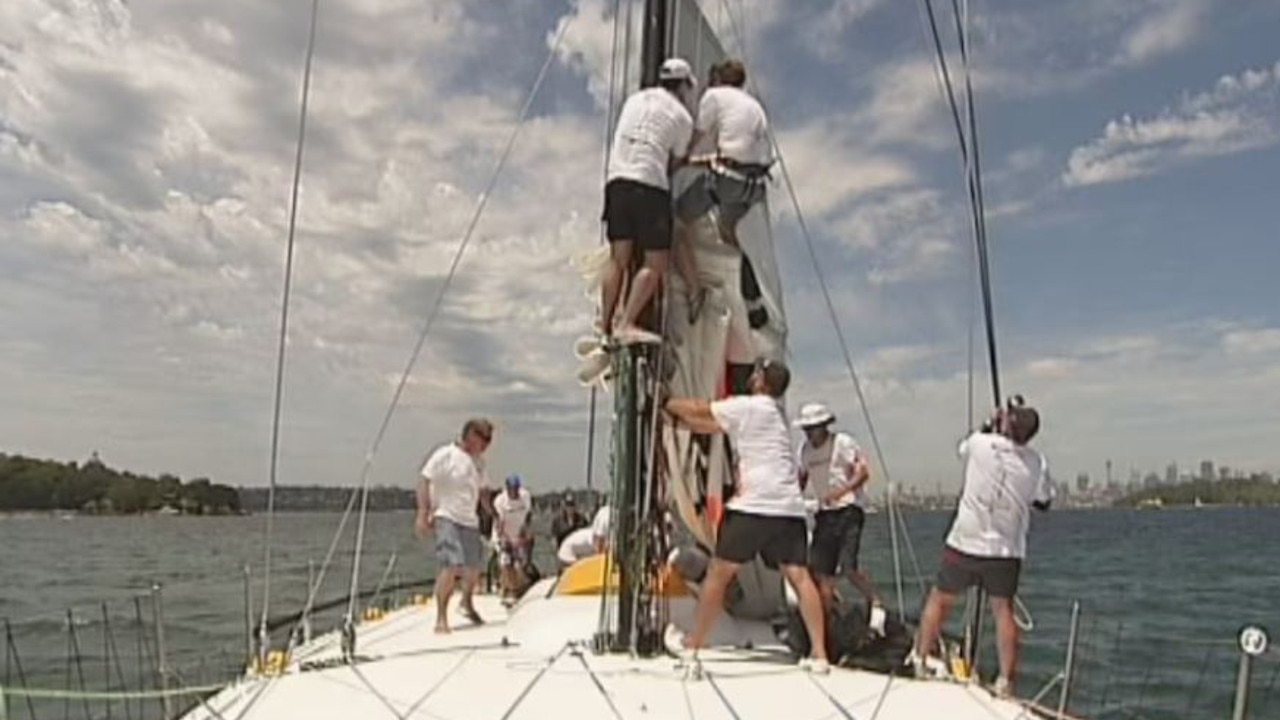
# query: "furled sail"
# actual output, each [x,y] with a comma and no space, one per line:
[741,321]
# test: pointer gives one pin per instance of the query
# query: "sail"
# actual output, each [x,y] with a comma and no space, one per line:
[741,321]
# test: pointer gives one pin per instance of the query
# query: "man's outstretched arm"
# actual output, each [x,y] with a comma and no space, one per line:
[695,413]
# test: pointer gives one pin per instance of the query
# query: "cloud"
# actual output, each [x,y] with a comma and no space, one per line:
[1238,114]
[146,155]
[1168,26]
[163,139]
[1180,392]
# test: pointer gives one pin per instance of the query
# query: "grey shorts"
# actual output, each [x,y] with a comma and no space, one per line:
[458,546]
[733,196]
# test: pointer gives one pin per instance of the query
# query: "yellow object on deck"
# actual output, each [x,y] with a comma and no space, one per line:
[586,577]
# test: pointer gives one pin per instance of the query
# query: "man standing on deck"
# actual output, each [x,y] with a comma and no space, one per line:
[652,137]
[735,123]
[766,516]
[513,509]
[835,472]
[450,485]
[1003,480]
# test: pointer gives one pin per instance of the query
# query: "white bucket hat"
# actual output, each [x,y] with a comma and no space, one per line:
[813,414]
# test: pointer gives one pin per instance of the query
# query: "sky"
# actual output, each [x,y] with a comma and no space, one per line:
[1131,155]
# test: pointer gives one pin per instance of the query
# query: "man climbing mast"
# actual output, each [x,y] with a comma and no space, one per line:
[737,129]
[652,138]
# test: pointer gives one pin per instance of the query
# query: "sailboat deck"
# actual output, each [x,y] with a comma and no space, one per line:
[520,666]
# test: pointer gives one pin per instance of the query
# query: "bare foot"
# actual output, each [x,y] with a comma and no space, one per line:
[443,630]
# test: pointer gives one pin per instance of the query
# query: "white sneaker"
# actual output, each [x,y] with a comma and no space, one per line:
[1003,688]
[876,622]
[587,344]
[594,367]
[930,667]
[673,641]
[634,335]
[815,666]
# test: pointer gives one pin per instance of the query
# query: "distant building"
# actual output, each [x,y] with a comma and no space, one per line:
[1152,480]
[1224,473]
[1171,474]
[1082,483]
[1206,470]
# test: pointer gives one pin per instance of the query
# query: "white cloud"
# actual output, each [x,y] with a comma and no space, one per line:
[1238,114]
[1168,26]
[1177,393]
[145,160]
[166,148]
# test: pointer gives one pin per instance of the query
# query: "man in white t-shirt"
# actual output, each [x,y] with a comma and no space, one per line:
[835,472]
[652,137]
[448,493]
[585,542]
[735,125]
[1003,480]
[765,517]
[513,508]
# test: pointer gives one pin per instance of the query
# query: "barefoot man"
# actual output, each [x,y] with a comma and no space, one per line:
[448,492]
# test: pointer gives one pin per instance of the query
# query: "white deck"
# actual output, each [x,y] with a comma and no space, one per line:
[533,663]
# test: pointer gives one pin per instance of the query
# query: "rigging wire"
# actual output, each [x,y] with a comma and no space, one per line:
[975,173]
[610,117]
[434,311]
[263,636]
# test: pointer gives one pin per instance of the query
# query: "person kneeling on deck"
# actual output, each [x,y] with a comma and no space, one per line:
[453,477]
[738,128]
[511,530]
[585,542]
[1003,479]
[652,137]
[834,472]
[766,517]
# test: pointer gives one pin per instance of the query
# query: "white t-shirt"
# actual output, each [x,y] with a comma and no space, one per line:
[768,474]
[456,480]
[581,543]
[735,123]
[601,523]
[1001,480]
[653,127]
[512,513]
[831,466]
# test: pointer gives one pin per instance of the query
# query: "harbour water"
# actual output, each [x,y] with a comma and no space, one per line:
[1164,595]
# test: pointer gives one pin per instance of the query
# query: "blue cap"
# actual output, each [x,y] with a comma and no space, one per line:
[513,481]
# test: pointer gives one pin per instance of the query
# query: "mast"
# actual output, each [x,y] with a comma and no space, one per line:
[633,501]
[654,41]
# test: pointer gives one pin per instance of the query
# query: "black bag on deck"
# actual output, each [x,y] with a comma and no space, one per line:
[850,643]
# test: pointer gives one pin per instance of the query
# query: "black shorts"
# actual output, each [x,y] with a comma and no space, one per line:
[777,540]
[639,213]
[837,535]
[961,571]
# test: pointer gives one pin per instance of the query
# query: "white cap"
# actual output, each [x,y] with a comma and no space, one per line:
[675,69]
[813,414]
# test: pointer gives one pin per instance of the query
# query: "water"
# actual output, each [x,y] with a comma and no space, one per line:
[1164,595]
